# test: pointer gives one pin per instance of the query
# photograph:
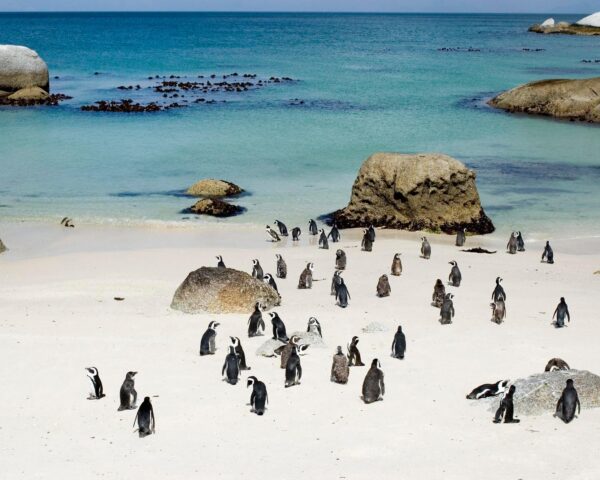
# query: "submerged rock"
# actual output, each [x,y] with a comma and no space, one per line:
[210,187]
[21,67]
[427,191]
[560,98]
[538,394]
[214,207]
[222,290]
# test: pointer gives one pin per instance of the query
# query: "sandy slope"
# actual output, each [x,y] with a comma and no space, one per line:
[57,315]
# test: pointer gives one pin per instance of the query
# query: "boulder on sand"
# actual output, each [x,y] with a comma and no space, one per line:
[222,290]
[21,67]
[214,207]
[212,188]
[560,98]
[427,191]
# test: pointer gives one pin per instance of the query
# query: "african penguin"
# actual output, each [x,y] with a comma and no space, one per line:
[567,403]
[207,342]
[562,311]
[447,310]
[498,311]
[334,234]
[98,391]
[335,281]
[439,293]
[340,371]
[145,419]
[221,263]
[340,260]
[281,266]
[127,394]
[354,359]
[314,327]
[257,271]
[397,265]
[306,277]
[555,364]
[520,242]
[232,367]
[461,237]
[367,243]
[399,344]
[342,294]
[383,287]
[239,351]
[373,388]
[425,248]
[312,227]
[506,409]
[279,332]
[293,369]
[273,234]
[455,276]
[282,228]
[256,324]
[371,233]
[511,246]
[323,243]
[498,292]
[286,350]
[548,253]
[296,234]
[258,397]
[488,390]
[269,280]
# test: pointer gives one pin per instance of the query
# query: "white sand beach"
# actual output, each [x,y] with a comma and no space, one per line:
[58,315]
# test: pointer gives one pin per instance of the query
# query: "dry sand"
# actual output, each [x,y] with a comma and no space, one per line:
[57,316]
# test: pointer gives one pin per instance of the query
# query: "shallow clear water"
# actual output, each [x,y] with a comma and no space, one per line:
[369,83]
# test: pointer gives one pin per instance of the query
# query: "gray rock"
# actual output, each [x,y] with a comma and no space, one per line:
[309,338]
[214,207]
[222,290]
[268,348]
[538,394]
[375,327]
[213,188]
[21,67]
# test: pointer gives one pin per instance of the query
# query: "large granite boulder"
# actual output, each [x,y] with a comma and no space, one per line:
[2,247]
[538,394]
[592,20]
[21,67]
[29,93]
[222,290]
[214,207]
[566,28]
[212,188]
[427,191]
[560,98]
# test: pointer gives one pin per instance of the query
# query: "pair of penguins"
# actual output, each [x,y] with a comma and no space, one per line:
[128,398]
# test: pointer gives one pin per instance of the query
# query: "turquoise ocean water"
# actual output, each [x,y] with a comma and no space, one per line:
[368,82]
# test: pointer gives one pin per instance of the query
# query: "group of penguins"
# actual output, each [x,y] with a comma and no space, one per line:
[373,388]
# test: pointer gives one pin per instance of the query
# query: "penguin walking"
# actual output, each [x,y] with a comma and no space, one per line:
[207,342]
[439,293]
[258,397]
[383,287]
[425,248]
[562,311]
[221,263]
[397,265]
[283,231]
[498,292]
[269,280]
[231,367]
[279,332]
[555,364]
[239,351]
[342,294]
[455,276]
[296,234]
[293,369]
[373,388]
[314,327]
[512,244]
[354,359]
[447,310]
[312,227]
[548,253]
[367,243]
[323,243]
[334,234]
[567,403]
[286,350]
[461,237]
[256,324]
[145,419]
[274,236]
[67,222]
[506,409]
[498,311]
[281,266]
[97,390]
[340,260]
[257,271]
[520,242]
[306,277]
[399,344]
[340,371]
[336,280]
[371,233]
[128,394]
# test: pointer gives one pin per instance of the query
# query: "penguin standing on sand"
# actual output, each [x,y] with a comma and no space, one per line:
[455,276]
[279,332]
[397,265]
[221,263]
[273,234]
[342,294]
[367,243]
[439,293]
[498,311]
[562,311]
[340,371]
[498,292]
[506,409]
[373,388]
[296,234]
[239,351]
[269,280]
[314,327]
[145,419]
[323,243]
[425,248]
[231,367]
[371,233]
[383,287]
[281,266]
[399,344]
[293,369]
[548,253]
[461,237]
[512,244]
[334,234]
[354,359]
[257,271]
[335,281]
[97,390]
[312,227]
[256,324]
[283,231]
[520,242]
[447,310]
[207,342]
[306,277]
[128,394]
[340,260]
[258,397]
[567,403]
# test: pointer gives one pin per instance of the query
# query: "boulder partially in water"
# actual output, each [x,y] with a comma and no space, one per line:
[21,67]
[559,98]
[29,93]
[214,207]
[552,27]
[212,188]
[426,191]
[222,290]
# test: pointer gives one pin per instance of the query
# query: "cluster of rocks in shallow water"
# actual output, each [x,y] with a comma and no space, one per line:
[458,49]
[48,100]
[596,60]
[127,106]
